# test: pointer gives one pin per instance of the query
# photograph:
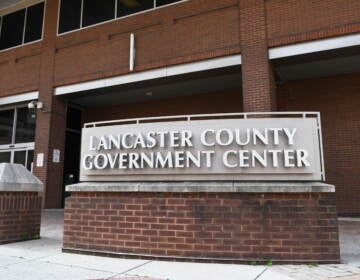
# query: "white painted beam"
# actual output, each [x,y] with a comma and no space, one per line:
[315,46]
[186,68]
[19,98]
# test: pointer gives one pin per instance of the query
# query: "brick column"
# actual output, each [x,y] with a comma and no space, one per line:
[257,74]
[51,121]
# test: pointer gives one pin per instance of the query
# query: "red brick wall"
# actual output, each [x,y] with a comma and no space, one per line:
[185,32]
[20,215]
[19,69]
[180,33]
[233,227]
[337,98]
[293,21]
[257,77]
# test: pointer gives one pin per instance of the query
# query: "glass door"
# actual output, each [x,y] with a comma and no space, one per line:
[20,156]
[17,134]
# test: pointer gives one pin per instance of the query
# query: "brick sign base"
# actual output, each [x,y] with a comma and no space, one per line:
[224,227]
[20,214]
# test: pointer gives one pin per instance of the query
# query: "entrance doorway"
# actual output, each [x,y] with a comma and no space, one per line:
[72,147]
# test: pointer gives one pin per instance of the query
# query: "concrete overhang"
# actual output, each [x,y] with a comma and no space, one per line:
[218,74]
[312,62]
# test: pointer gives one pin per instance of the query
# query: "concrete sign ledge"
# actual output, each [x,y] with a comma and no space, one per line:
[16,178]
[203,186]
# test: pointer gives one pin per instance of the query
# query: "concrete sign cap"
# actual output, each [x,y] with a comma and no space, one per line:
[16,178]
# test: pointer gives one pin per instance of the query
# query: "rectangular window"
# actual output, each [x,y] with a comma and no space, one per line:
[12,29]
[17,135]
[160,3]
[127,7]
[6,126]
[29,160]
[76,14]
[25,126]
[95,11]
[34,23]
[5,157]
[20,157]
[22,26]
[70,15]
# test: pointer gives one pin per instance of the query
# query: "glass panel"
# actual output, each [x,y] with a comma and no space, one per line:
[127,7]
[12,29]
[95,11]
[25,126]
[6,126]
[30,160]
[70,12]
[34,22]
[165,2]
[5,157]
[20,157]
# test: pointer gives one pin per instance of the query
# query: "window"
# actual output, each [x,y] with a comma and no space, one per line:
[5,156]
[34,22]
[22,26]
[165,2]
[17,126]
[17,135]
[126,7]
[6,126]
[94,12]
[21,156]
[70,14]
[25,126]
[12,30]
[76,14]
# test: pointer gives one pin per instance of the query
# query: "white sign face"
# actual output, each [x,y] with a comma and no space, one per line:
[56,156]
[40,160]
[217,149]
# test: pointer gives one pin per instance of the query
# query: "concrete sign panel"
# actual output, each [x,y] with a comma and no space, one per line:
[212,149]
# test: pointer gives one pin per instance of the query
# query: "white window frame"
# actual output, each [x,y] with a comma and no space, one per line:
[110,20]
[13,145]
[14,150]
[23,35]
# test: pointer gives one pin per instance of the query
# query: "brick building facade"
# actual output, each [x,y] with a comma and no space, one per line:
[225,56]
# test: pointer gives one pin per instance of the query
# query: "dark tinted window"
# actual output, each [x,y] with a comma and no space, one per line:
[34,22]
[12,29]
[165,2]
[5,157]
[6,126]
[70,12]
[127,7]
[30,159]
[25,126]
[95,11]
[20,157]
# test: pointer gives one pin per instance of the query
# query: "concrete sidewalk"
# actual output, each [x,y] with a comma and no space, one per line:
[43,259]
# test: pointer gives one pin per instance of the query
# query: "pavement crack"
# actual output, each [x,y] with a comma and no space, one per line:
[261,273]
[131,269]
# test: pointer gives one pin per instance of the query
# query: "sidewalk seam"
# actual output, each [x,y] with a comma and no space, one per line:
[130,269]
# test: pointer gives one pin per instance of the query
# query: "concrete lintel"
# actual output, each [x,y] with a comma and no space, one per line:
[203,186]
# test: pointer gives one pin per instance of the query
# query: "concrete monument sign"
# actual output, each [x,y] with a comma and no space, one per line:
[286,148]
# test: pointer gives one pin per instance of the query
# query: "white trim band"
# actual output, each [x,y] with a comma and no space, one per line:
[209,64]
[19,98]
[315,46]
